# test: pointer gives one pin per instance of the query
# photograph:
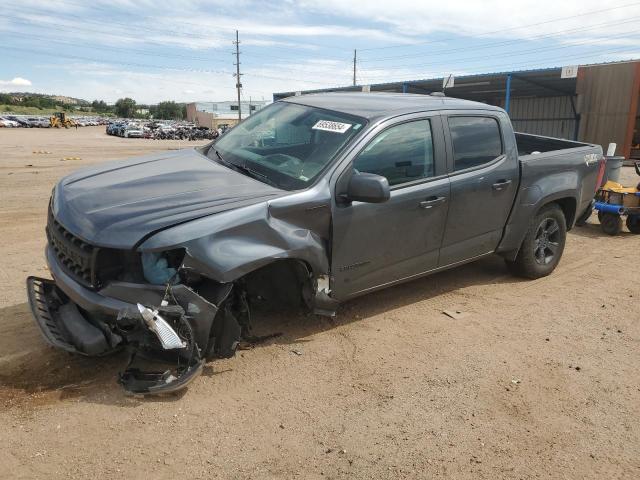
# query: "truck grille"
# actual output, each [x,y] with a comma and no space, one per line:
[74,255]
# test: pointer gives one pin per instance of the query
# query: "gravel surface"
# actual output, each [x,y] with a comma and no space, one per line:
[537,379]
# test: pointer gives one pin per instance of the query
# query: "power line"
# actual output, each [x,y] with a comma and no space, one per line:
[474,59]
[112,48]
[509,29]
[370,60]
[306,57]
[145,65]
[138,27]
[199,25]
[112,22]
[534,64]
[355,59]
[448,51]
[507,54]
[271,77]
[116,36]
[129,64]
[182,81]
[332,47]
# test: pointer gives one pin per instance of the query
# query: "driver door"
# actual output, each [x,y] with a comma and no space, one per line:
[376,244]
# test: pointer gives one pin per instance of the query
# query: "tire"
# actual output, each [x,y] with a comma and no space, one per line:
[633,224]
[611,223]
[543,244]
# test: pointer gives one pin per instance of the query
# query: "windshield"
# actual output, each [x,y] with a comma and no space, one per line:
[286,145]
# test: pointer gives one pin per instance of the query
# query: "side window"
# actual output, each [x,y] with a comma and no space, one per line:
[402,153]
[476,140]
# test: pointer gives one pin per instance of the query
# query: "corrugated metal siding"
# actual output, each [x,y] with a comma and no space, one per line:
[550,116]
[607,96]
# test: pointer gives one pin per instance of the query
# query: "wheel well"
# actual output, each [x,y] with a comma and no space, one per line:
[282,283]
[568,206]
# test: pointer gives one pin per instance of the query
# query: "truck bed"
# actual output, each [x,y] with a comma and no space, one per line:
[529,144]
[563,165]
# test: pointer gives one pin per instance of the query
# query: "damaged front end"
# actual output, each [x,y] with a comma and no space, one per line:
[171,325]
[178,295]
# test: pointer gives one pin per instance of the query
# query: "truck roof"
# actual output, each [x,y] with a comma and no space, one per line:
[382,104]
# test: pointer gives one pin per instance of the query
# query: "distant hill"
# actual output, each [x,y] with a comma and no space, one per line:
[60,99]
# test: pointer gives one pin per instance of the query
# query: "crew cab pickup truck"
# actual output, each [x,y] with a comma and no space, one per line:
[312,201]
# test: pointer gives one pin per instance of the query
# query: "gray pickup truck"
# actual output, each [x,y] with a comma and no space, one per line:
[310,202]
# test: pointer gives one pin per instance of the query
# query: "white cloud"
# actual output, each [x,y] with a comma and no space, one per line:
[15,82]
[295,44]
[524,18]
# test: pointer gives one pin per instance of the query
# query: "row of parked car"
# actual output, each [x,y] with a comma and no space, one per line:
[160,130]
[17,121]
[28,121]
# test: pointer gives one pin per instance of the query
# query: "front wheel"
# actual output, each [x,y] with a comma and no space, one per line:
[543,244]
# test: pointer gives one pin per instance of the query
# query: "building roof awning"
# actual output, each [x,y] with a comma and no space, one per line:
[486,87]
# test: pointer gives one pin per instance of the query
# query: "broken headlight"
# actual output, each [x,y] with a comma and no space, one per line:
[160,268]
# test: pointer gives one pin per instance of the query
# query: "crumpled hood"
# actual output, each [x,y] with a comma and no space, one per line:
[117,204]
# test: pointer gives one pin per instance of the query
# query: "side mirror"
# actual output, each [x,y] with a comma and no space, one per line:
[368,187]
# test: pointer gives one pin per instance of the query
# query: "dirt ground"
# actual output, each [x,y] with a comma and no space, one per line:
[539,380]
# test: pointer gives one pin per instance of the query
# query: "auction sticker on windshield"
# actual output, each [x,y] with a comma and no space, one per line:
[329,126]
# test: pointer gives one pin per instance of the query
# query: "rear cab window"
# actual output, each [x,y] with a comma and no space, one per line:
[476,140]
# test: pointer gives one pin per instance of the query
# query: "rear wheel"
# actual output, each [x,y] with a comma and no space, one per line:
[543,244]
[633,223]
[611,223]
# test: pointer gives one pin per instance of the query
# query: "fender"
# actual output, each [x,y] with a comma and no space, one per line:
[547,189]
[227,246]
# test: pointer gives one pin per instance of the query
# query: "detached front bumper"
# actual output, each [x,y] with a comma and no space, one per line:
[61,323]
[95,323]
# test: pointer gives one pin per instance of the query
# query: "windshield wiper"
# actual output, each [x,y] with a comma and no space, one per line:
[246,170]
[257,175]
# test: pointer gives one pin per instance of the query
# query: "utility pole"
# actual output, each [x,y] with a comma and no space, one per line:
[238,75]
[355,56]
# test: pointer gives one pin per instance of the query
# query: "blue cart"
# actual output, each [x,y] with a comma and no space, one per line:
[613,201]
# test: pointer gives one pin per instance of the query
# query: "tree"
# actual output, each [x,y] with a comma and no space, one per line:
[29,101]
[126,107]
[168,111]
[100,106]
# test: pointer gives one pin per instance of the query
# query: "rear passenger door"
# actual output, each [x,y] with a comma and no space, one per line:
[484,180]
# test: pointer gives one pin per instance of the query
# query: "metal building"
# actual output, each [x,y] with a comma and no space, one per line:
[592,103]
[216,114]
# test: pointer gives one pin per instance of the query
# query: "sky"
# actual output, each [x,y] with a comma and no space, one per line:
[183,50]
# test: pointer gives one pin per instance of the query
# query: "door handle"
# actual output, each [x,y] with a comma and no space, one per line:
[432,202]
[501,184]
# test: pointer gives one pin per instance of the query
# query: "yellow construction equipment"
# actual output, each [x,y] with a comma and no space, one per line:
[60,119]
